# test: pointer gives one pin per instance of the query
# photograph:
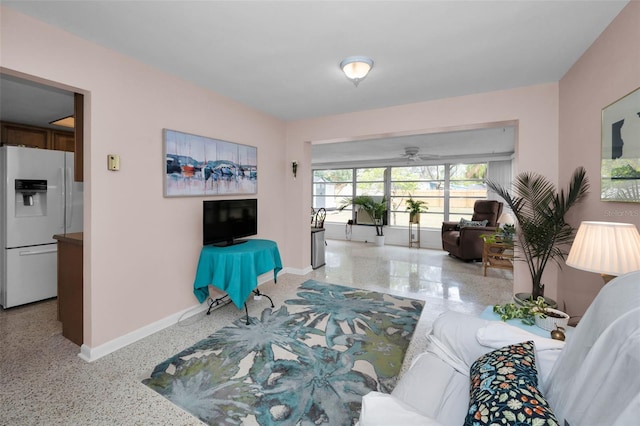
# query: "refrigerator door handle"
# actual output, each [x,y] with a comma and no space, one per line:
[61,182]
[68,199]
[36,252]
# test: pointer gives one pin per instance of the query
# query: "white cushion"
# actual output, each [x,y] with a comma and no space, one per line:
[379,409]
[595,380]
[434,389]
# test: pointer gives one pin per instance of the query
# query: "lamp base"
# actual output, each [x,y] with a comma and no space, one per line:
[606,277]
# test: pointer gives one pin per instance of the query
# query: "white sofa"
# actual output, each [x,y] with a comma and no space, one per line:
[593,379]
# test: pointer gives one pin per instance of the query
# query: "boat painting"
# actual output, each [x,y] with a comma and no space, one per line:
[201,166]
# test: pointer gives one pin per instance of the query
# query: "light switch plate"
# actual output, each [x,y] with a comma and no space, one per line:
[113,162]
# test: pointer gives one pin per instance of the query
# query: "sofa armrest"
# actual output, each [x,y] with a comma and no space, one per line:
[450,226]
[457,331]
[470,231]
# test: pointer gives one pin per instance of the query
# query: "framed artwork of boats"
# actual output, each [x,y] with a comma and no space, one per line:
[201,166]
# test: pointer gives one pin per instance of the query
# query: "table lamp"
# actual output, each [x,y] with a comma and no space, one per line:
[608,248]
[506,219]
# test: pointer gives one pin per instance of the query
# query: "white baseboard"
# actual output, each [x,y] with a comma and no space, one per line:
[90,354]
[297,271]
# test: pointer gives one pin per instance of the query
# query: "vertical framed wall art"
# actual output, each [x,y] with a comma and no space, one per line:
[202,166]
[620,170]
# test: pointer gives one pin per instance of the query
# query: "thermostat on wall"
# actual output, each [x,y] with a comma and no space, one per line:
[113,162]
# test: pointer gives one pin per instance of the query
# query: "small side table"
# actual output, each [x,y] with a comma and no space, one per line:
[497,255]
[414,234]
[488,314]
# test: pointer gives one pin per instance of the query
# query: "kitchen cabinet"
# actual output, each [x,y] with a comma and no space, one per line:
[63,141]
[70,282]
[20,134]
[36,137]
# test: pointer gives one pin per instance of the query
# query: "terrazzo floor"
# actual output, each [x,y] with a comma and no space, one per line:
[44,382]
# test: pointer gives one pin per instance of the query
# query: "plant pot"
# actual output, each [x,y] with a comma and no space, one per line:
[551,322]
[414,217]
[519,299]
[378,240]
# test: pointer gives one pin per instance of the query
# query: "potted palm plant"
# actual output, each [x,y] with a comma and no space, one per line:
[375,209]
[542,233]
[415,207]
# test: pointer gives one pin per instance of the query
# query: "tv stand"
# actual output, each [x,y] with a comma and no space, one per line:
[225,298]
[235,269]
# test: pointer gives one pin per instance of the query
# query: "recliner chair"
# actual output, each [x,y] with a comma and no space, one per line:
[465,242]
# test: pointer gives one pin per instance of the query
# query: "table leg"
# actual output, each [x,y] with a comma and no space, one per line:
[216,302]
[246,310]
[257,293]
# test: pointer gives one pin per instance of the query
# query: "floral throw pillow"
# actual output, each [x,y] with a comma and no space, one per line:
[504,389]
[464,222]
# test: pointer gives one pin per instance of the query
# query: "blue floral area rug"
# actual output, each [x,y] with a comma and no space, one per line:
[308,362]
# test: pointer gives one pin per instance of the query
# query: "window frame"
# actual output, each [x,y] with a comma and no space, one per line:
[388,183]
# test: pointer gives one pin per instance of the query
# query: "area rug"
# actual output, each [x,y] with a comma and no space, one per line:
[309,361]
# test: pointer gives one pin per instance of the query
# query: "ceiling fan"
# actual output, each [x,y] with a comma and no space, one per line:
[411,153]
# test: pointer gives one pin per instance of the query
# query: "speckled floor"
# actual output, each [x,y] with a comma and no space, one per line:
[44,382]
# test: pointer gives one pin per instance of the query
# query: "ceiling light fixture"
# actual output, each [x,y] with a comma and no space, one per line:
[65,122]
[356,68]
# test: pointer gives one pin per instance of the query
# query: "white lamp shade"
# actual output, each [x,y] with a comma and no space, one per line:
[506,219]
[608,248]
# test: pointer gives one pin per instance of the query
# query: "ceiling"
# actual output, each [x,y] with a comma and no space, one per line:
[27,102]
[484,144]
[281,57]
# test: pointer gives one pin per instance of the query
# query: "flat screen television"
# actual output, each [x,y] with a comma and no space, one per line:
[224,221]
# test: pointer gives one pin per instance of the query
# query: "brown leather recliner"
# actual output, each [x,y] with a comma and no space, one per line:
[465,242]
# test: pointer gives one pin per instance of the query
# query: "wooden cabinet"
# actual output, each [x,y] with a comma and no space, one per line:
[46,138]
[36,137]
[70,282]
[19,134]
[62,141]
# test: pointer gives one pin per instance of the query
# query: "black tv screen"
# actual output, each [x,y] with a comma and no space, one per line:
[223,221]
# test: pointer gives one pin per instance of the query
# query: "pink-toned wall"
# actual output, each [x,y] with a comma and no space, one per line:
[608,70]
[535,109]
[141,249]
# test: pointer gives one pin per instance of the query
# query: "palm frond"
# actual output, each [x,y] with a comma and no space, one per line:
[542,233]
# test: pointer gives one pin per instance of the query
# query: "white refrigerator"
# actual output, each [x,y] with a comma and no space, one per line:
[39,199]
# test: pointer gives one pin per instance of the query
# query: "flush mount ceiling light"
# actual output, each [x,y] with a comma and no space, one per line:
[65,122]
[356,68]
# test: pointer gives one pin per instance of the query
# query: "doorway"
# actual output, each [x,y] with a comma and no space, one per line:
[49,117]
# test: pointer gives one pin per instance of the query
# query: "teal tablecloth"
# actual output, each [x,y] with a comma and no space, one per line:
[235,269]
